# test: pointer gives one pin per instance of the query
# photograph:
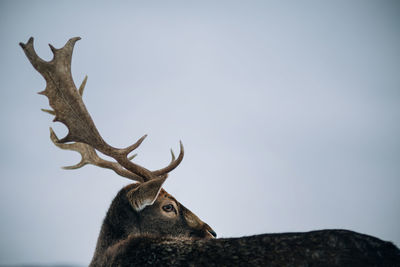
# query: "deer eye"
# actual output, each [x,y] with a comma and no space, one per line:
[168,208]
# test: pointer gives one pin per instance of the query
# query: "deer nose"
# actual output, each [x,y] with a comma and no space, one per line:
[212,232]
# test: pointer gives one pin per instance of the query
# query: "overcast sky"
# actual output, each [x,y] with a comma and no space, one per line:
[289,112]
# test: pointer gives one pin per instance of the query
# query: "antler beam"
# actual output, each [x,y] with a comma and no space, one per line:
[89,156]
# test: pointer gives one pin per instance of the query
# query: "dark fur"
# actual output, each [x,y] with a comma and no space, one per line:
[318,248]
[123,222]
[122,242]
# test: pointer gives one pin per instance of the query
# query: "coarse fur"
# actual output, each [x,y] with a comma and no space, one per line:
[317,248]
[123,221]
[148,238]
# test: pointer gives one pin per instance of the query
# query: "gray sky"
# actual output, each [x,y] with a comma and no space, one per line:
[288,110]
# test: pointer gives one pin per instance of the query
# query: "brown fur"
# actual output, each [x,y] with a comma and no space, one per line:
[123,221]
[148,238]
[124,242]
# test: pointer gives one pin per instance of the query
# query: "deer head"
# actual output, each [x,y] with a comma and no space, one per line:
[142,208]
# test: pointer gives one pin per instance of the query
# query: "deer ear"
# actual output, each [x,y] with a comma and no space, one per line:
[145,194]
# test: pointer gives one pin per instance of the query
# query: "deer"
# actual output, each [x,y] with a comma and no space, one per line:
[146,226]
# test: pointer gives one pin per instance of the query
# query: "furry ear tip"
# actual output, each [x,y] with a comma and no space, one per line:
[145,194]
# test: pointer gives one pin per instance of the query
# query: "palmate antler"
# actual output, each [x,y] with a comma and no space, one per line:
[68,108]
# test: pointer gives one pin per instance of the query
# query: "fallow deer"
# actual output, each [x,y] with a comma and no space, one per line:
[147,226]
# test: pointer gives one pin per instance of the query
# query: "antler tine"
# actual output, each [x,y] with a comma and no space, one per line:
[132,157]
[69,109]
[89,156]
[165,174]
[174,162]
[130,148]
[49,111]
[31,54]
[83,84]
[172,155]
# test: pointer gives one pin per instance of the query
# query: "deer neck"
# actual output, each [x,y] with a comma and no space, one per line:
[119,223]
